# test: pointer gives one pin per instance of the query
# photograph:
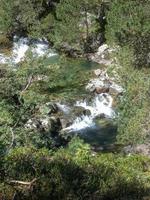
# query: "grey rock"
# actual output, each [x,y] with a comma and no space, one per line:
[100,90]
[48,124]
[143,149]
[97,72]
[79,111]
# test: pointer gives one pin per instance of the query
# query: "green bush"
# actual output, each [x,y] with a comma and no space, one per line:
[128,24]
[75,173]
[133,106]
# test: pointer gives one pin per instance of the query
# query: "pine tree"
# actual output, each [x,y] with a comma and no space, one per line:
[128,24]
[76,21]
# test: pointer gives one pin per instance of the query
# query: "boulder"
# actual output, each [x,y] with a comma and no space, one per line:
[103,55]
[100,116]
[33,124]
[143,149]
[100,90]
[47,124]
[54,125]
[97,72]
[79,111]
[94,83]
[87,112]
[102,121]
[65,122]
[52,108]
[48,108]
[103,48]
[71,50]
[115,89]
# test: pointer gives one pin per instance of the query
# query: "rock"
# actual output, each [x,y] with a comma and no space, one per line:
[52,108]
[34,124]
[97,149]
[97,72]
[102,56]
[143,149]
[102,49]
[90,87]
[101,90]
[115,89]
[100,116]
[79,111]
[54,125]
[51,124]
[114,103]
[66,136]
[48,108]
[29,124]
[72,51]
[65,123]
[103,122]
[128,149]
[93,84]
[47,124]
[63,108]
[87,112]
[40,78]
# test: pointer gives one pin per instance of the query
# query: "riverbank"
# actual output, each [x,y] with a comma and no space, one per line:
[81,87]
[91,103]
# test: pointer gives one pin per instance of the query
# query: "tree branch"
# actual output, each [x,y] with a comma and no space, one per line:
[22,183]
[14,182]
[29,81]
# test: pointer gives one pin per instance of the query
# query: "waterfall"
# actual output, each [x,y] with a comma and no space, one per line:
[101,104]
[64,108]
[21,46]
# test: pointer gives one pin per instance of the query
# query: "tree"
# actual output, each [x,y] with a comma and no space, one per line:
[74,173]
[128,24]
[25,17]
[76,22]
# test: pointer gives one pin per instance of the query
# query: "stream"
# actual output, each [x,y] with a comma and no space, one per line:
[96,125]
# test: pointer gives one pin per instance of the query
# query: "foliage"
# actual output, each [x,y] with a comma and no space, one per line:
[36,82]
[128,24]
[24,16]
[61,175]
[66,24]
[31,167]
[133,124]
[76,23]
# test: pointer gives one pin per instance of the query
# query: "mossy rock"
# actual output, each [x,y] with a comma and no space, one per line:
[5,43]
[104,122]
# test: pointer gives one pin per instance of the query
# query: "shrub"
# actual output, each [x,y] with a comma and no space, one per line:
[128,24]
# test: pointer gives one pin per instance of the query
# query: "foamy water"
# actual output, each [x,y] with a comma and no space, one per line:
[20,48]
[66,109]
[101,104]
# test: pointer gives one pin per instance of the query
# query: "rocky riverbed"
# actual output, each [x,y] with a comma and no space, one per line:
[89,116]
[20,46]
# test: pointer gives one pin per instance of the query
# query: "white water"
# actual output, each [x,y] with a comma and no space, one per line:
[102,104]
[64,108]
[20,48]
